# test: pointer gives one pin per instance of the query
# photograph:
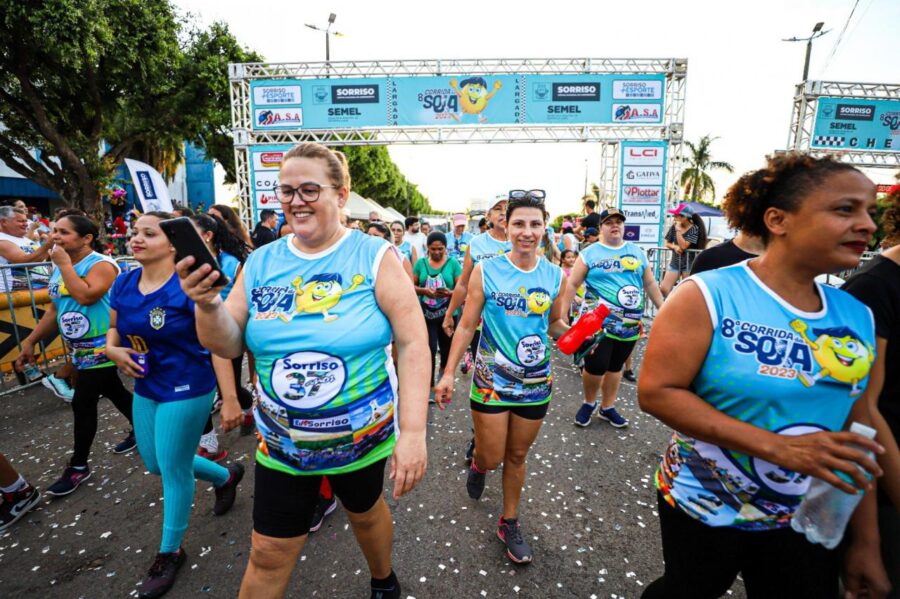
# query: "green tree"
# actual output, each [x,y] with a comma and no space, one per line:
[374,175]
[695,179]
[85,84]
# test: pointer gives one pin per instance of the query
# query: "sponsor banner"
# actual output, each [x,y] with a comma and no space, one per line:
[883,187]
[642,175]
[635,155]
[266,95]
[265,180]
[456,100]
[637,113]
[631,89]
[641,215]
[857,124]
[267,160]
[151,188]
[265,199]
[642,233]
[642,194]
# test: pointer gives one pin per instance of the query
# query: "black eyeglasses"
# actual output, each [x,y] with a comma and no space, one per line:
[531,194]
[309,192]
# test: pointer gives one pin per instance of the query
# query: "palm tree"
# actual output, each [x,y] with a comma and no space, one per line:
[695,180]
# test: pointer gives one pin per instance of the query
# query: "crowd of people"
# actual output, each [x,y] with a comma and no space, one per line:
[350,331]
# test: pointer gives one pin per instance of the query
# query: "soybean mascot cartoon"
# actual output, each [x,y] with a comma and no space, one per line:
[321,293]
[840,354]
[473,96]
[537,299]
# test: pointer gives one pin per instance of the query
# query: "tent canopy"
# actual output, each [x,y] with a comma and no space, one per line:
[703,209]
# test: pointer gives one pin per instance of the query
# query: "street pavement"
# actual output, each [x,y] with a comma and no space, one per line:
[588,510]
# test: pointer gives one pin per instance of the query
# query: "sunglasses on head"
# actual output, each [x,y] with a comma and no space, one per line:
[531,194]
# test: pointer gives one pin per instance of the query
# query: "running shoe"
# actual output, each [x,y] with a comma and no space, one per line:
[431,398]
[510,533]
[69,481]
[226,494]
[126,444]
[583,417]
[386,589]
[60,388]
[613,417]
[217,404]
[470,451]
[247,423]
[323,508]
[467,363]
[629,375]
[17,504]
[162,574]
[217,456]
[475,481]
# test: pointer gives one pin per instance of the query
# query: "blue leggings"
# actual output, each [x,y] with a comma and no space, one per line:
[167,435]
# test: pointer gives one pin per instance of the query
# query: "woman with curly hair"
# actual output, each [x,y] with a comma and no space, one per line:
[759,390]
[877,285]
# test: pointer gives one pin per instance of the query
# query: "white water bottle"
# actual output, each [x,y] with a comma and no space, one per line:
[825,510]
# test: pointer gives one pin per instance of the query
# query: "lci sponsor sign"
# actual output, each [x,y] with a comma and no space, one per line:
[857,124]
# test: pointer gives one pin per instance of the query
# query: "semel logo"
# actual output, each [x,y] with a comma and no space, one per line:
[354,94]
[855,112]
[576,92]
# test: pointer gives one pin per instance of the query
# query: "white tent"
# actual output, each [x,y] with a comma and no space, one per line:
[360,208]
[394,215]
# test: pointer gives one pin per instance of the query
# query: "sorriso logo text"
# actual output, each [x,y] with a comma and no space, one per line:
[855,112]
[576,92]
[354,94]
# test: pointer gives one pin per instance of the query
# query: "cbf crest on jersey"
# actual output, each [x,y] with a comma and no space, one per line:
[157,318]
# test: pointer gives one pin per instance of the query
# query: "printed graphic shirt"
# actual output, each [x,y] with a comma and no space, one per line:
[456,248]
[512,364]
[485,247]
[775,367]
[161,324]
[326,383]
[430,278]
[83,327]
[615,278]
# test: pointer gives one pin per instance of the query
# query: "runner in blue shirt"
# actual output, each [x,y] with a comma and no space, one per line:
[458,241]
[79,289]
[520,297]
[152,316]
[758,369]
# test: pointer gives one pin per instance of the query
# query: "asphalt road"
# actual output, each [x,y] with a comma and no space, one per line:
[588,511]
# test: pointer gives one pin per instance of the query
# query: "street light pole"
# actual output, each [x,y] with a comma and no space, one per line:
[328,32]
[816,32]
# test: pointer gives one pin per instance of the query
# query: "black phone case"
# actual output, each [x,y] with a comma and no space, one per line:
[187,242]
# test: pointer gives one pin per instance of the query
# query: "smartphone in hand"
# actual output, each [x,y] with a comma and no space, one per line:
[187,241]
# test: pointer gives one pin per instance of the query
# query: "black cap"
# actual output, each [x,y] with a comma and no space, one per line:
[591,231]
[609,213]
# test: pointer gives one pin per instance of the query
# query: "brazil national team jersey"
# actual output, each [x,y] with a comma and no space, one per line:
[512,365]
[775,367]
[161,324]
[615,278]
[485,247]
[83,327]
[322,345]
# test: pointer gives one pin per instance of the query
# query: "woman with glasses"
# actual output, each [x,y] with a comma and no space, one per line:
[615,273]
[318,309]
[520,299]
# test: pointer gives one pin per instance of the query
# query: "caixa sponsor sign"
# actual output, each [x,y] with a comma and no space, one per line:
[637,113]
[266,199]
[278,118]
[642,175]
[643,155]
[637,90]
[641,194]
[355,94]
[282,94]
[267,160]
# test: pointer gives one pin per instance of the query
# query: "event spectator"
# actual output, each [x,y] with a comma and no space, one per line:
[354,224]
[414,236]
[687,233]
[591,235]
[590,220]
[16,248]
[179,210]
[265,229]
[233,221]
[374,217]
[482,225]
[458,241]
[425,228]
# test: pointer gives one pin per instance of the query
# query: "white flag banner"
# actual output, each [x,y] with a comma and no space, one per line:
[150,186]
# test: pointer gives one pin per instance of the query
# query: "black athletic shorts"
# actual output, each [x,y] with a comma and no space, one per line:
[527,412]
[283,503]
[609,356]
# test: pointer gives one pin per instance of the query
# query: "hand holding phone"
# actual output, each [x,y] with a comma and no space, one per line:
[183,235]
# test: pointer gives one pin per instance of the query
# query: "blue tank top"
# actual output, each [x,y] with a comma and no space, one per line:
[615,278]
[83,327]
[485,247]
[161,324]
[229,265]
[406,250]
[456,248]
[322,345]
[512,365]
[778,368]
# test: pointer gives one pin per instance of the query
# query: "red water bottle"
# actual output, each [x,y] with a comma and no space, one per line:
[583,328]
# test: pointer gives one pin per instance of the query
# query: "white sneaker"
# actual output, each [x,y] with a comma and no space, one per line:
[210,442]
[60,387]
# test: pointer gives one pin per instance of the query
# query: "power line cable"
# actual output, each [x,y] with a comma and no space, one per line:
[840,36]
